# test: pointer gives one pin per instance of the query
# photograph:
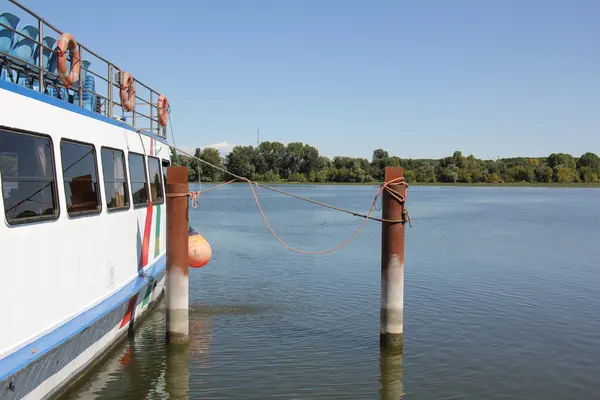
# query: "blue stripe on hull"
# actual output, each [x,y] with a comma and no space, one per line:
[25,369]
[22,90]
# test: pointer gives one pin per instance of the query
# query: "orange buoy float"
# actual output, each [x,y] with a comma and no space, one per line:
[163,110]
[199,251]
[127,92]
[67,43]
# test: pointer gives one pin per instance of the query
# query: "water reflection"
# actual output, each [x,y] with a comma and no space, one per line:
[178,371]
[145,367]
[311,328]
[390,367]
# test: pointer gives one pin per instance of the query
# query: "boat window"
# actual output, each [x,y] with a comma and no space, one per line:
[115,179]
[28,177]
[156,185]
[81,178]
[139,181]
[165,165]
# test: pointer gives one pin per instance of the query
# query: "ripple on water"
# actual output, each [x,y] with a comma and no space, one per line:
[500,303]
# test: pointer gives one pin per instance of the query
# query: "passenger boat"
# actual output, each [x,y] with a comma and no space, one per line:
[83,159]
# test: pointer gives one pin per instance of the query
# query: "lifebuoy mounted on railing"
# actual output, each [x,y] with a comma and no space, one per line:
[67,42]
[163,110]
[127,91]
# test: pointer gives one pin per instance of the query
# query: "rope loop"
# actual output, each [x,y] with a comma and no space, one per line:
[195,199]
[176,195]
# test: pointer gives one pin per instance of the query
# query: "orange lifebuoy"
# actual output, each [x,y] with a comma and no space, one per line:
[163,110]
[67,42]
[127,91]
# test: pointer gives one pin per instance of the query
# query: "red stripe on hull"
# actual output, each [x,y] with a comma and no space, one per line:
[129,312]
[146,240]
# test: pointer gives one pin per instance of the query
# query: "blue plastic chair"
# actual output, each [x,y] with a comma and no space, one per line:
[88,99]
[52,91]
[90,84]
[24,48]
[7,38]
[6,35]
[49,42]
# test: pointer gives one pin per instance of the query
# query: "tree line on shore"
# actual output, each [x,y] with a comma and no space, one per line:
[298,162]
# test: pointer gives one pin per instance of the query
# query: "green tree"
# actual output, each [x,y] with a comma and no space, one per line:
[561,160]
[519,173]
[294,154]
[588,174]
[274,155]
[563,174]
[410,176]
[212,156]
[239,161]
[425,173]
[310,158]
[543,173]
[380,154]
[589,160]
[448,174]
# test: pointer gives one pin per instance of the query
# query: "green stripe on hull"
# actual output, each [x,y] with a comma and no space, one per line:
[157,234]
[148,293]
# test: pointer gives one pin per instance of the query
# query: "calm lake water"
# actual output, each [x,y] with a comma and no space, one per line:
[501,302]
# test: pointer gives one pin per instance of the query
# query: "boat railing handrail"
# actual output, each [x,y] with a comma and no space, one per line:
[109,101]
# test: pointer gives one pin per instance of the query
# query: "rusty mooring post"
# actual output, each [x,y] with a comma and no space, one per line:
[177,254]
[392,265]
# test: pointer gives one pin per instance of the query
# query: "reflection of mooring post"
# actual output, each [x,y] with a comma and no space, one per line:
[392,265]
[177,376]
[177,254]
[390,367]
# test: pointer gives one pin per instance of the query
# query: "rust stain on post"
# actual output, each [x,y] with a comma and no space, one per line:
[392,266]
[177,254]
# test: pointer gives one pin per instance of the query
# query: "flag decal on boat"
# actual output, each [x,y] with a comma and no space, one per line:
[146,240]
[157,233]
[148,293]
[129,314]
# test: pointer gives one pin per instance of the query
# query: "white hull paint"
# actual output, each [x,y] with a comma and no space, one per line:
[69,281]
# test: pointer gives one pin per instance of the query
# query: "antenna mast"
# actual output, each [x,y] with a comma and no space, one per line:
[257,136]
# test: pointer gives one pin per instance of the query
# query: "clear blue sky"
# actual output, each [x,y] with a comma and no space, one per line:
[420,79]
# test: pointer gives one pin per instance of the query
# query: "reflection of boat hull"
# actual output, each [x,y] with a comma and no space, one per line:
[135,368]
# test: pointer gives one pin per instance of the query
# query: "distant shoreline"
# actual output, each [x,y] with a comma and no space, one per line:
[590,185]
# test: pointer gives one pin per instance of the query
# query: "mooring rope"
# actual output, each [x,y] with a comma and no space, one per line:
[255,185]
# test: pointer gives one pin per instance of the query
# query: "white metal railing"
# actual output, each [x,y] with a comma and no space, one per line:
[105,104]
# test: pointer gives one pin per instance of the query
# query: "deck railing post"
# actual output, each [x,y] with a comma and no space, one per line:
[110,90]
[177,254]
[133,112]
[151,114]
[41,50]
[392,265]
[80,89]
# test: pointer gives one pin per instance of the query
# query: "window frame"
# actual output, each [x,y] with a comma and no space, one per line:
[126,173]
[162,180]
[41,218]
[79,214]
[147,180]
